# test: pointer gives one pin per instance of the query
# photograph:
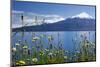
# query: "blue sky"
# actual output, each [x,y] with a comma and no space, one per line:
[51,9]
[59,9]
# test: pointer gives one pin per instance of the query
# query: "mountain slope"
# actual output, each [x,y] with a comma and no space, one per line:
[70,24]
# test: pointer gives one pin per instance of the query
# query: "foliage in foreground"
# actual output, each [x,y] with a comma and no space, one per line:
[23,54]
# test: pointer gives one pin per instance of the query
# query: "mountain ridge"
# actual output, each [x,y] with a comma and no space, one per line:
[69,24]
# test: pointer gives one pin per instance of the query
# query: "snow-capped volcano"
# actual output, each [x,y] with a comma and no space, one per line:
[83,15]
[80,22]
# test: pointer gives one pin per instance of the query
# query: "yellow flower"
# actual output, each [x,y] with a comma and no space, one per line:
[35,38]
[17,63]
[35,60]
[50,54]
[22,62]
[87,43]
[28,59]
[56,51]
[25,47]
[46,50]
[65,57]
[14,49]
[50,38]
[17,44]
[41,53]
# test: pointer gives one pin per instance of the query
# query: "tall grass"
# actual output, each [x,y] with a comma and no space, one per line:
[23,54]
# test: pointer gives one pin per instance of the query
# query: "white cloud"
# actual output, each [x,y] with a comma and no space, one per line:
[29,18]
[55,19]
[49,19]
[16,12]
[16,25]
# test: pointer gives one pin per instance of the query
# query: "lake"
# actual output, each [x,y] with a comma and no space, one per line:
[67,37]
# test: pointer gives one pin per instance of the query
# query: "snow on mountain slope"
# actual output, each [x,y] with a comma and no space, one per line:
[83,15]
